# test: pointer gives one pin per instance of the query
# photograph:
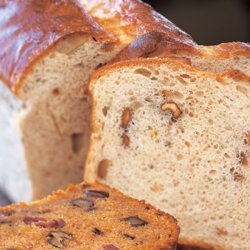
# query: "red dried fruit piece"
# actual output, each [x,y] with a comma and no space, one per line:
[51,224]
[6,213]
[44,223]
[58,238]
[135,221]
[86,204]
[29,220]
[109,247]
[96,194]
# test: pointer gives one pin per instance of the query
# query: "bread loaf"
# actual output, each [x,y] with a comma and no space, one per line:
[48,50]
[178,137]
[87,217]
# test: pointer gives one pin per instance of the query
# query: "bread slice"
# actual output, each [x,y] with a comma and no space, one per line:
[87,217]
[45,63]
[43,112]
[179,138]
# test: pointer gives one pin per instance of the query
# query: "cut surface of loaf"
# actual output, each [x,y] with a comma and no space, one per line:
[178,137]
[48,51]
[91,217]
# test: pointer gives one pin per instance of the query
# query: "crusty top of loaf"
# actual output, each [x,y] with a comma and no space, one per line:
[129,19]
[226,50]
[29,28]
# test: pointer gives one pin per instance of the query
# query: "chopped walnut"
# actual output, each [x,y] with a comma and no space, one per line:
[126,117]
[247,139]
[105,111]
[125,140]
[96,194]
[238,177]
[135,221]
[102,169]
[242,158]
[221,231]
[173,108]
[85,204]
[58,238]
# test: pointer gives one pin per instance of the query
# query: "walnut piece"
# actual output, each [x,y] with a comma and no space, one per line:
[97,194]
[125,140]
[126,117]
[135,221]
[58,238]
[85,204]
[102,169]
[173,108]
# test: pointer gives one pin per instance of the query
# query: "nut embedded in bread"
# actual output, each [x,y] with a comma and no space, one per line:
[87,217]
[189,149]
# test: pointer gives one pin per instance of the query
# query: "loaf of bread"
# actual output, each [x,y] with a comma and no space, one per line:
[87,217]
[48,50]
[179,138]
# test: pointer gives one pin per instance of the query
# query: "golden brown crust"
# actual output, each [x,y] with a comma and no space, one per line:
[227,50]
[157,43]
[29,28]
[149,33]
[186,244]
[130,19]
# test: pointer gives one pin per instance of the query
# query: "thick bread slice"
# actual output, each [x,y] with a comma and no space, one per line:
[178,137]
[87,217]
[48,50]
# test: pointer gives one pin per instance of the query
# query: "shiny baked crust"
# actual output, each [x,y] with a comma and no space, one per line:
[129,19]
[29,28]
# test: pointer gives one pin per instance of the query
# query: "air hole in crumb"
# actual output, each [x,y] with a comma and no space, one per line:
[77,142]
[154,78]
[148,99]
